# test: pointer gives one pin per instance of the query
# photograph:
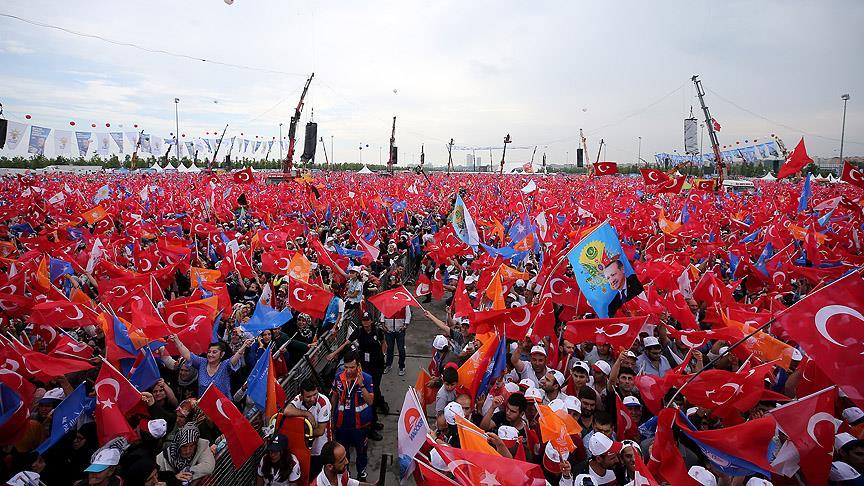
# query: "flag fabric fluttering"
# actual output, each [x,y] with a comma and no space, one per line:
[241,437]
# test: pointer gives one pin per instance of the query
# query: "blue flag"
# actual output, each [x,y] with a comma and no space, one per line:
[216,322]
[65,417]
[147,372]
[603,272]
[804,200]
[257,380]
[496,367]
[823,220]
[57,267]
[266,317]
[121,337]
[733,264]
[348,252]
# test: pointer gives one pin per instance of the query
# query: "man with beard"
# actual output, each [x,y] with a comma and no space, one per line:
[334,459]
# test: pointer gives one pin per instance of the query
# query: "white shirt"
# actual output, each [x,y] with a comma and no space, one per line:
[322,480]
[277,481]
[528,372]
[321,411]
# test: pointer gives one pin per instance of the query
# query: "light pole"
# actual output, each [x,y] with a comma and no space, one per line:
[332,153]
[280,141]
[379,155]
[639,153]
[361,153]
[177,128]
[845,99]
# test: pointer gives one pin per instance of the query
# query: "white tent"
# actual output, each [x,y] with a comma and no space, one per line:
[365,170]
[182,168]
[768,177]
[157,167]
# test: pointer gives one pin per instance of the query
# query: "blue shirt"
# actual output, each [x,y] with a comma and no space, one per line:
[222,378]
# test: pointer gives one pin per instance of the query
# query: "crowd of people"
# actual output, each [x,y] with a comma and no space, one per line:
[133,303]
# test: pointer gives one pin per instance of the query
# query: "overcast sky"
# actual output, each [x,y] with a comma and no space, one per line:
[473,71]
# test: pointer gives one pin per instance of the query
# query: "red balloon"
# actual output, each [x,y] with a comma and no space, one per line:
[93,125]
[107,124]
[241,133]
[135,125]
[183,135]
[72,123]
[27,117]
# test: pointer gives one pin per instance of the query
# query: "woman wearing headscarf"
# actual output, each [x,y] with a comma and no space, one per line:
[187,457]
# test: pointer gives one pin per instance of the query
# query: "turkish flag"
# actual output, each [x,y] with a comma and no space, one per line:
[471,467]
[308,298]
[695,339]
[642,476]
[242,438]
[270,239]
[666,461]
[853,175]
[392,301]
[48,367]
[654,176]
[605,168]
[114,397]
[244,176]
[626,428]
[62,313]
[710,289]
[749,441]
[277,261]
[619,332]
[671,186]
[797,160]
[424,286]
[719,389]
[810,424]
[196,336]
[514,322]
[66,346]
[827,324]
[704,184]
[431,476]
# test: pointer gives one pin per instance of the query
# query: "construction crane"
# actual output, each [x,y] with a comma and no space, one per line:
[288,163]
[392,160]
[712,135]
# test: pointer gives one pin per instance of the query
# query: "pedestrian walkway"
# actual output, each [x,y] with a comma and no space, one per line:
[418,343]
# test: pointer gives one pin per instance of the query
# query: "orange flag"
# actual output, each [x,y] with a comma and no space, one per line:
[668,227]
[204,274]
[495,292]
[95,214]
[509,274]
[471,372]
[553,429]
[299,267]
[473,438]
[424,392]
[763,346]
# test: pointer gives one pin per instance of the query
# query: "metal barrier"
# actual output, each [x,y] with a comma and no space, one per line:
[313,364]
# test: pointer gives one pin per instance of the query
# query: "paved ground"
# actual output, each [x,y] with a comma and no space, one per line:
[418,343]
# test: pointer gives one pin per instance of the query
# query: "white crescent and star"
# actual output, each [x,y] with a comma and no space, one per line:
[814,420]
[78,315]
[825,313]
[220,410]
[170,320]
[622,329]
[524,321]
[296,293]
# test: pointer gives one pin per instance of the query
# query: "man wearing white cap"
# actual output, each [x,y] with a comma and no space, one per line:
[534,370]
[652,361]
[604,458]
[551,385]
[702,476]
[850,450]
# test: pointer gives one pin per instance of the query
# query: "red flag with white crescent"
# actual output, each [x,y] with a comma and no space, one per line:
[392,301]
[605,168]
[242,438]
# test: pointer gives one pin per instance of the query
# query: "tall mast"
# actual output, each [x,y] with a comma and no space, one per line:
[288,163]
[712,135]
[392,159]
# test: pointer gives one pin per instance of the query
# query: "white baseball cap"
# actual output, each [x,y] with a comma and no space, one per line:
[602,367]
[534,395]
[439,342]
[104,459]
[557,404]
[573,403]
[853,415]
[538,350]
[758,482]
[582,365]
[471,279]
[631,401]
[156,427]
[796,355]
[527,383]
[702,476]
[552,459]
[599,444]
[650,341]
[843,439]
[840,471]
[520,283]
[451,411]
[559,377]
[508,434]
[631,443]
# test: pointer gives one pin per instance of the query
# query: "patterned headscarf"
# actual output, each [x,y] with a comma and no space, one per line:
[188,434]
